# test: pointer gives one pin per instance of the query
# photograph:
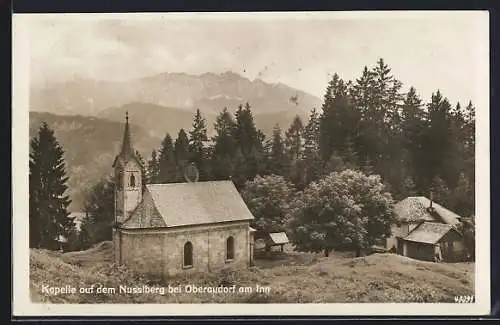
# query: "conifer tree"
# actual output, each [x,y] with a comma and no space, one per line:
[294,139]
[48,201]
[167,167]
[310,165]
[197,145]
[439,191]
[278,162]
[414,127]
[153,168]
[440,146]
[181,151]
[225,146]
[99,208]
[250,142]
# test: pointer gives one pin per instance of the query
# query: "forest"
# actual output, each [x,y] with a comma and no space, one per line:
[371,130]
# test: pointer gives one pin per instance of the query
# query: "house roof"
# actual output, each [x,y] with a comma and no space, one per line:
[415,208]
[185,204]
[429,232]
[278,238]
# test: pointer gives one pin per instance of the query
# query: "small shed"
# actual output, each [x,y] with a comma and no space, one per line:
[431,241]
[276,239]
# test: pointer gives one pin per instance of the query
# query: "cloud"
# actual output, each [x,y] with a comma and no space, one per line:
[428,51]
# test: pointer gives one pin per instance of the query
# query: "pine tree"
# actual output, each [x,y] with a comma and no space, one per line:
[470,142]
[414,127]
[225,146]
[167,167]
[250,142]
[310,167]
[439,145]
[439,191]
[278,162]
[338,120]
[48,218]
[181,151]
[153,168]
[462,198]
[349,154]
[294,139]
[99,208]
[197,144]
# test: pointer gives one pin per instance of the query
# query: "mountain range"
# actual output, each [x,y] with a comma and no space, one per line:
[87,115]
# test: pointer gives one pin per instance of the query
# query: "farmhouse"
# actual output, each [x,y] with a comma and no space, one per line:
[426,231]
[431,241]
[167,229]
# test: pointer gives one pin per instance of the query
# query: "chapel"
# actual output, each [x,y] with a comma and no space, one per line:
[167,229]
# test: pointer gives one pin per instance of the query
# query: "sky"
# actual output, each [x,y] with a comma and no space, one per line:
[442,50]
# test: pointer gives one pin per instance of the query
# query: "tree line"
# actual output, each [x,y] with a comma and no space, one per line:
[368,126]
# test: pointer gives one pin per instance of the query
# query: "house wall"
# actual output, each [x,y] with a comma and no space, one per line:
[161,252]
[420,251]
[399,231]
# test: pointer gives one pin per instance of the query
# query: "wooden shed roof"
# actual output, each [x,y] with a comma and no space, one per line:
[429,232]
[278,238]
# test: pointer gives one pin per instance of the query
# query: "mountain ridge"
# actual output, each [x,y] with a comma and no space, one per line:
[210,92]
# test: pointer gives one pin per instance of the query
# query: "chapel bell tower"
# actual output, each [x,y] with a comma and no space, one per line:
[128,176]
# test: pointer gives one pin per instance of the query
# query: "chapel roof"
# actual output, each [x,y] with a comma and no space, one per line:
[187,204]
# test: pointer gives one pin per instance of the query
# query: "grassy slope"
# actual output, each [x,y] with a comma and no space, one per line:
[292,277]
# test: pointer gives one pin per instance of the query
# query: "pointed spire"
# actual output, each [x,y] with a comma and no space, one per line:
[127,150]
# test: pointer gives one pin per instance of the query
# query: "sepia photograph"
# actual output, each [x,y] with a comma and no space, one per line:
[320,163]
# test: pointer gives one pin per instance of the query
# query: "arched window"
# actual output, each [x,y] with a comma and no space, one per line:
[132,180]
[230,248]
[188,254]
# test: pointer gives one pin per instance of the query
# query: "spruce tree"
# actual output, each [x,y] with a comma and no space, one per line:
[294,139]
[99,208]
[250,142]
[440,191]
[310,166]
[414,127]
[225,146]
[167,167]
[153,168]
[181,151]
[197,145]
[278,162]
[440,146]
[48,201]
